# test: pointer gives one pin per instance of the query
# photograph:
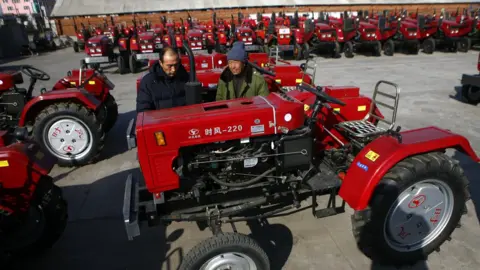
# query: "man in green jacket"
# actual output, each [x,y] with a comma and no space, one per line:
[239,80]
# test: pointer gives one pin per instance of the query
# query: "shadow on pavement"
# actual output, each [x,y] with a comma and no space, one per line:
[472,171]
[95,236]
[275,239]
[116,141]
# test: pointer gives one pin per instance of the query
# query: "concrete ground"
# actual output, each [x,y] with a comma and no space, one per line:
[95,236]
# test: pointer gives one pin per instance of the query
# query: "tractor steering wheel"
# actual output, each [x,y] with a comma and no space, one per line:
[321,95]
[35,73]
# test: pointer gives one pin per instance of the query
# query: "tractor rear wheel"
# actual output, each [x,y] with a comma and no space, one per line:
[226,251]
[428,46]
[45,224]
[348,49]
[75,47]
[464,44]
[389,48]
[413,210]
[70,132]
[471,94]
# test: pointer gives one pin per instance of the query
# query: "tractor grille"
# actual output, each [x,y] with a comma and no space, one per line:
[455,26]
[370,30]
[412,29]
[245,34]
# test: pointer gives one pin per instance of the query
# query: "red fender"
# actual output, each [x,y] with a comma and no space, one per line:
[374,161]
[39,102]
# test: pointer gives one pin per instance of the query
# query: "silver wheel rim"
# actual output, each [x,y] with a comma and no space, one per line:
[230,261]
[68,138]
[419,215]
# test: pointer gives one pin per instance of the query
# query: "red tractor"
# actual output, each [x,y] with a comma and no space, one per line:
[142,48]
[244,32]
[471,86]
[70,121]
[33,211]
[279,35]
[99,50]
[252,158]
[82,36]
[395,33]
[354,34]
[314,36]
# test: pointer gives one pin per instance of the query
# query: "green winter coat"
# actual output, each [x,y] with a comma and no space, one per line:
[254,85]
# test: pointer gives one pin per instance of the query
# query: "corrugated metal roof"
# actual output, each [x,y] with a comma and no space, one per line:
[65,8]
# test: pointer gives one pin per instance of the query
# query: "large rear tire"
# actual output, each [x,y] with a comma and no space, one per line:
[112,112]
[225,250]
[395,229]
[471,94]
[70,132]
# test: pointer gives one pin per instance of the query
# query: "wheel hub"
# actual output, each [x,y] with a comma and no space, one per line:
[474,92]
[68,137]
[230,261]
[419,215]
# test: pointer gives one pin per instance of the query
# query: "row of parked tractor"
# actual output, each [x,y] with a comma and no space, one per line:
[348,154]
[295,36]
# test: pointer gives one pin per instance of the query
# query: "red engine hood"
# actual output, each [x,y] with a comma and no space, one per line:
[218,121]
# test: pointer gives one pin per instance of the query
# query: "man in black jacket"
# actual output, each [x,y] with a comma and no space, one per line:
[164,86]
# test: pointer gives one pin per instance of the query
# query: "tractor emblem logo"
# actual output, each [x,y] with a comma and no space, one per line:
[417,201]
[194,133]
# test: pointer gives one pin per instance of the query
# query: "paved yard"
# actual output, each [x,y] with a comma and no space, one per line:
[95,237]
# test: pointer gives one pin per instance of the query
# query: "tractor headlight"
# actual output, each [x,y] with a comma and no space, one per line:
[249,39]
[220,62]
[199,44]
[160,138]
[99,50]
[143,47]
[150,47]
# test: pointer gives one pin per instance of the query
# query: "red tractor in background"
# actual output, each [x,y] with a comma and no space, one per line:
[70,121]
[33,210]
[395,32]
[354,34]
[111,30]
[279,36]
[244,32]
[427,28]
[471,86]
[313,36]
[99,50]
[221,34]
[82,36]
[249,159]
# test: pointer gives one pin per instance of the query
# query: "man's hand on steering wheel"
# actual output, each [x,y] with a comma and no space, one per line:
[35,73]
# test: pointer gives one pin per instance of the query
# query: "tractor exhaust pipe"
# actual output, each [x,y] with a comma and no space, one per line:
[193,88]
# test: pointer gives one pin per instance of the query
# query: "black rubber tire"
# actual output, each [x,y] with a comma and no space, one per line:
[464,44]
[367,225]
[111,108]
[377,49]
[337,50]
[76,47]
[428,45]
[348,49]
[132,62]
[298,52]
[389,48]
[54,112]
[55,210]
[223,243]
[466,93]
[122,65]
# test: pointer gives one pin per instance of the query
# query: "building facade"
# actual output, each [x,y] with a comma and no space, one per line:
[17,7]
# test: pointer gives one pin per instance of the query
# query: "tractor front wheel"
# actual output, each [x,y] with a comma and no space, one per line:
[389,48]
[226,251]
[298,52]
[429,46]
[122,64]
[377,49]
[471,94]
[111,107]
[132,61]
[76,47]
[337,50]
[464,44]
[348,49]
[413,210]
[70,132]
